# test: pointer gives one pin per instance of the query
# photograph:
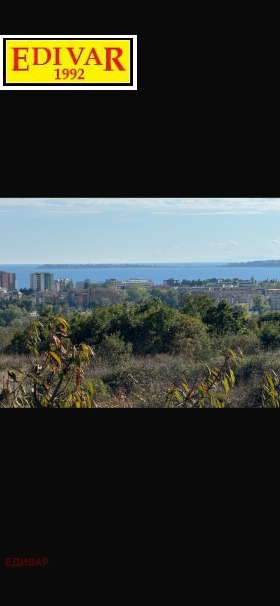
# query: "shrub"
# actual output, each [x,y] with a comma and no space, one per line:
[56,379]
[114,350]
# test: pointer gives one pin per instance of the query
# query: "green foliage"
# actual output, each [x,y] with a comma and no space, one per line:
[6,335]
[194,339]
[248,342]
[196,305]
[156,328]
[260,304]
[12,313]
[142,349]
[147,376]
[168,297]
[137,294]
[26,291]
[212,392]
[271,391]
[25,303]
[98,390]
[270,335]
[45,310]
[56,379]
[150,327]
[114,350]
[20,342]
[269,284]
[272,316]
[224,319]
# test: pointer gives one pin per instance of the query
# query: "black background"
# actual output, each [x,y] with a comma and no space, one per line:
[93,490]
[203,121]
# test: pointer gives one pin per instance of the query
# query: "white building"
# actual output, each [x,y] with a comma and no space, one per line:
[41,281]
[138,282]
[60,284]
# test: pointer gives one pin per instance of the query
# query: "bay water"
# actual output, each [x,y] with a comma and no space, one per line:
[156,272]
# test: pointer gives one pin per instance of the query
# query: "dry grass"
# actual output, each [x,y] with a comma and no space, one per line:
[141,382]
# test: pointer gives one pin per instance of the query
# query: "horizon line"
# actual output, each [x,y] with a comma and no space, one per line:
[137,262]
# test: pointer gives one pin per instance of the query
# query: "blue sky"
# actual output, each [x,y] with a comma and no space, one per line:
[96,230]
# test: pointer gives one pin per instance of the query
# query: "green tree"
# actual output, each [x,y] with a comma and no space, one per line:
[26,291]
[169,297]
[6,335]
[137,294]
[27,304]
[224,319]
[270,335]
[114,350]
[196,305]
[45,310]
[260,304]
[193,338]
[156,328]
[11,313]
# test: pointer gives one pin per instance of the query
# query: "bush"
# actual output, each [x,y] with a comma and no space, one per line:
[99,390]
[6,335]
[270,336]
[194,339]
[113,350]
[248,343]
[55,380]
[145,379]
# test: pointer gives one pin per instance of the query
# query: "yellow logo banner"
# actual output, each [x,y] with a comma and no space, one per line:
[68,62]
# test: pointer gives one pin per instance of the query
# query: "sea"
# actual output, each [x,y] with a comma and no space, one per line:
[155,271]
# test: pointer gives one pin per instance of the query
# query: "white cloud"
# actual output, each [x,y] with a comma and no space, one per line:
[73,212]
[221,212]
[275,241]
[177,206]
[224,246]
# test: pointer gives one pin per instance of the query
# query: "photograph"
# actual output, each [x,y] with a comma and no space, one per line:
[139,303]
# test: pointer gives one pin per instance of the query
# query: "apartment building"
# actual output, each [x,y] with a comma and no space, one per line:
[8,281]
[273,298]
[93,295]
[61,284]
[138,282]
[41,281]
[114,282]
[50,297]
[233,297]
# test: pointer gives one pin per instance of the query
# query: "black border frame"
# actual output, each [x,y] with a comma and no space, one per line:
[93,84]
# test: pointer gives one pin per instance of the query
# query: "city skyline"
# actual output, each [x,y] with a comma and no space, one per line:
[148,230]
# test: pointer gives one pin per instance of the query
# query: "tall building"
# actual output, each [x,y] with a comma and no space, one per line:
[8,281]
[61,284]
[41,281]
[48,281]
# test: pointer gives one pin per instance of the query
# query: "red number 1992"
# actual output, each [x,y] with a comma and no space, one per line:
[63,74]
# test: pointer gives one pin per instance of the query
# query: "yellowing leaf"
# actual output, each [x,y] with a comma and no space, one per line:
[55,357]
[232,377]
[226,385]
